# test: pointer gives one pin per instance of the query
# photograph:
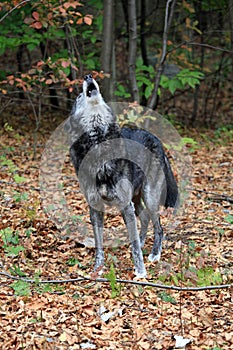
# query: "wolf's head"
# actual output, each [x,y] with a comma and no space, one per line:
[90,88]
[90,97]
[89,110]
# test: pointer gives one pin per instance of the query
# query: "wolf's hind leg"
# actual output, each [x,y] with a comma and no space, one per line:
[144,218]
[152,201]
[131,224]
[158,239]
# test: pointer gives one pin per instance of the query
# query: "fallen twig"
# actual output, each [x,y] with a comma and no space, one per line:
[105,280]
[215,196]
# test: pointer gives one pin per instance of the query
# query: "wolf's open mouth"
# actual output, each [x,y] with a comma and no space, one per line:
[91,87]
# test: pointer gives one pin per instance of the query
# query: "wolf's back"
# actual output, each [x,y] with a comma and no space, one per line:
[151,142]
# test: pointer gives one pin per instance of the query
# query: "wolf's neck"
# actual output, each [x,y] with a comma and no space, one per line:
[96,116]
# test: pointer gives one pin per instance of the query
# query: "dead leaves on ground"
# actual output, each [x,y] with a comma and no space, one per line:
[198,249]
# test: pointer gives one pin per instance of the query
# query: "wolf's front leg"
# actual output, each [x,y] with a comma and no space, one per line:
[97,221]
[131,224]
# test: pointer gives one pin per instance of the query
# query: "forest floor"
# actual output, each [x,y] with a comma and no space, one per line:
[198,251]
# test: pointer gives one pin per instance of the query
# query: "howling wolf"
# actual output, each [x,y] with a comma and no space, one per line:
[122,167]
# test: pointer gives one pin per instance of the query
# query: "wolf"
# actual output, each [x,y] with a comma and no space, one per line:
[122,167]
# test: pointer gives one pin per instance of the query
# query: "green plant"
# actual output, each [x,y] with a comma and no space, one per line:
[207,276]
[111,276]
[13,251]
[224,133]
[76,218]
[42,288]
[21,288]
[10,242]
[121,91]
[229,219]
[189,142]
[4,162]
[19,179]
[73,261]
[9,236]
[185,78]
[145,78]
[16,271]
[29,231]
[20,197]
[167,297]
[36,23]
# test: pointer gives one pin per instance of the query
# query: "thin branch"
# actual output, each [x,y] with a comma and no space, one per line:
[105,280]
[167,23]
[207,46]
[14,8]
[216,196]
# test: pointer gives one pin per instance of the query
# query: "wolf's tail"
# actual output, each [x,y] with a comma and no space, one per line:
[172,195]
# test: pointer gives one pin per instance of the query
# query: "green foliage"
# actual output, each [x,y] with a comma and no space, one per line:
[29,231]
[76,218]
[10,242]
[19,179]
[115,287]
[73,261]
[16,271]
[185,78]
[13,250]
[59,23]
[42,288]
[207,276]
[189,142]
[21,288]
[4,162]
[9,236]
[20,197]
[224,134]
[145,76]
[167,297]
[229,218]
[121,91]
[8,128]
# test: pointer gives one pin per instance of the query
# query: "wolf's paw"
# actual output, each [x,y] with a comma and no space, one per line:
[98,272]
[141,274]
[154,257]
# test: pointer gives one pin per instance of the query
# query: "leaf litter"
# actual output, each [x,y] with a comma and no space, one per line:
[197,251]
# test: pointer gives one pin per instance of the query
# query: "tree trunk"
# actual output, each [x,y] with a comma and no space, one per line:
[133,49]
[107,47]
[230,6]
[143,46]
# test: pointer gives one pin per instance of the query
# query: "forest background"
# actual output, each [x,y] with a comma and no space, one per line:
[173,57]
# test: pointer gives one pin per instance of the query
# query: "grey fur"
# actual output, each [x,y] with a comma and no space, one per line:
[125,168]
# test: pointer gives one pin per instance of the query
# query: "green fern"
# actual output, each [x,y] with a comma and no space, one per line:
[111,276]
